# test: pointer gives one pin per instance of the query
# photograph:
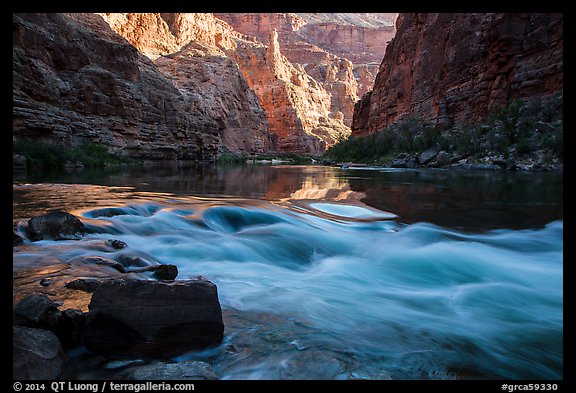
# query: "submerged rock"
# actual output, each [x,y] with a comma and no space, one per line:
[37,354]
[131,260]
[116,244]
[56,225]
[189,370]
[153,318]
[98,260]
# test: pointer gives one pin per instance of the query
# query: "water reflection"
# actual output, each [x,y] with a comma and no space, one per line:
[468,200]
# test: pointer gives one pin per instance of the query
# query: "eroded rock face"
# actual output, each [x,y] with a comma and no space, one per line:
[303,40]
[152,318]
[297,106]
[187,49]
[77,81]
[215,88]
[260,100]
[452,69]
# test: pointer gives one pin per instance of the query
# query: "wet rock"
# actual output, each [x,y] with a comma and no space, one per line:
[85,284]
[98,260]
[161,272]
[189,370]
[131,260]
[45,282]
[70,327]
[166,272]
[37,354]
[153,318]
[116,244]
[56,225]
[36,310]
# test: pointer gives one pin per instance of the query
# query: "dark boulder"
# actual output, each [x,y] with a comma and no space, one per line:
[85,284]
[153,318]
[56,225]
[37,354]
[166,272]
[429,154]
[36,310]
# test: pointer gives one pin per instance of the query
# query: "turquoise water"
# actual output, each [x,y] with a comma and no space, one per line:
[317,283]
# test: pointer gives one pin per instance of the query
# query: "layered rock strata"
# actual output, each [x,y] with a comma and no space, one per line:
[327,46]
[454,69]
[77,81]
[297,110]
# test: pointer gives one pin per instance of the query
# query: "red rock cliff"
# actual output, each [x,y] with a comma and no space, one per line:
[76,81]
[199,50]
[452,69]
[325,44]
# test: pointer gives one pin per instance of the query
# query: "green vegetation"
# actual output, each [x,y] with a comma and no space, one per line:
[54,156]
[239,158]
[518,129]
[408,136]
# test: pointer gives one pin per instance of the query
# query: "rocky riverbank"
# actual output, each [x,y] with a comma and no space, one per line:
[125,311]
[525,135]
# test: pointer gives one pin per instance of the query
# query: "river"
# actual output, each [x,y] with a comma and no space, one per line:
[330,273]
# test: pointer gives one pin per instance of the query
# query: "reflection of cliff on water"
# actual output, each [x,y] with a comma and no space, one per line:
[461,199]
[465,199]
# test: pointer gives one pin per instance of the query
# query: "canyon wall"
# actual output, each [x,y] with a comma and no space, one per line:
[453,69]
[340,51]
[299,113]
[186,85]
[77,81]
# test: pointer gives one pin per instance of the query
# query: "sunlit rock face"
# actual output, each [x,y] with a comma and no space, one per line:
[189,50]
[75,81]
[189,86]
[452,69]
[291,112]
[298,108]
[340,51]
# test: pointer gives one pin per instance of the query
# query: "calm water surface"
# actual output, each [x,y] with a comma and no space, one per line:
[329,273]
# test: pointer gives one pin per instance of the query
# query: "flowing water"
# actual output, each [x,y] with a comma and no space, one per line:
[329,273]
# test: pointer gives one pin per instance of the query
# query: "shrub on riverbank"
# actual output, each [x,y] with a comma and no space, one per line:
[515,131]
[53,156]
[240,158]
